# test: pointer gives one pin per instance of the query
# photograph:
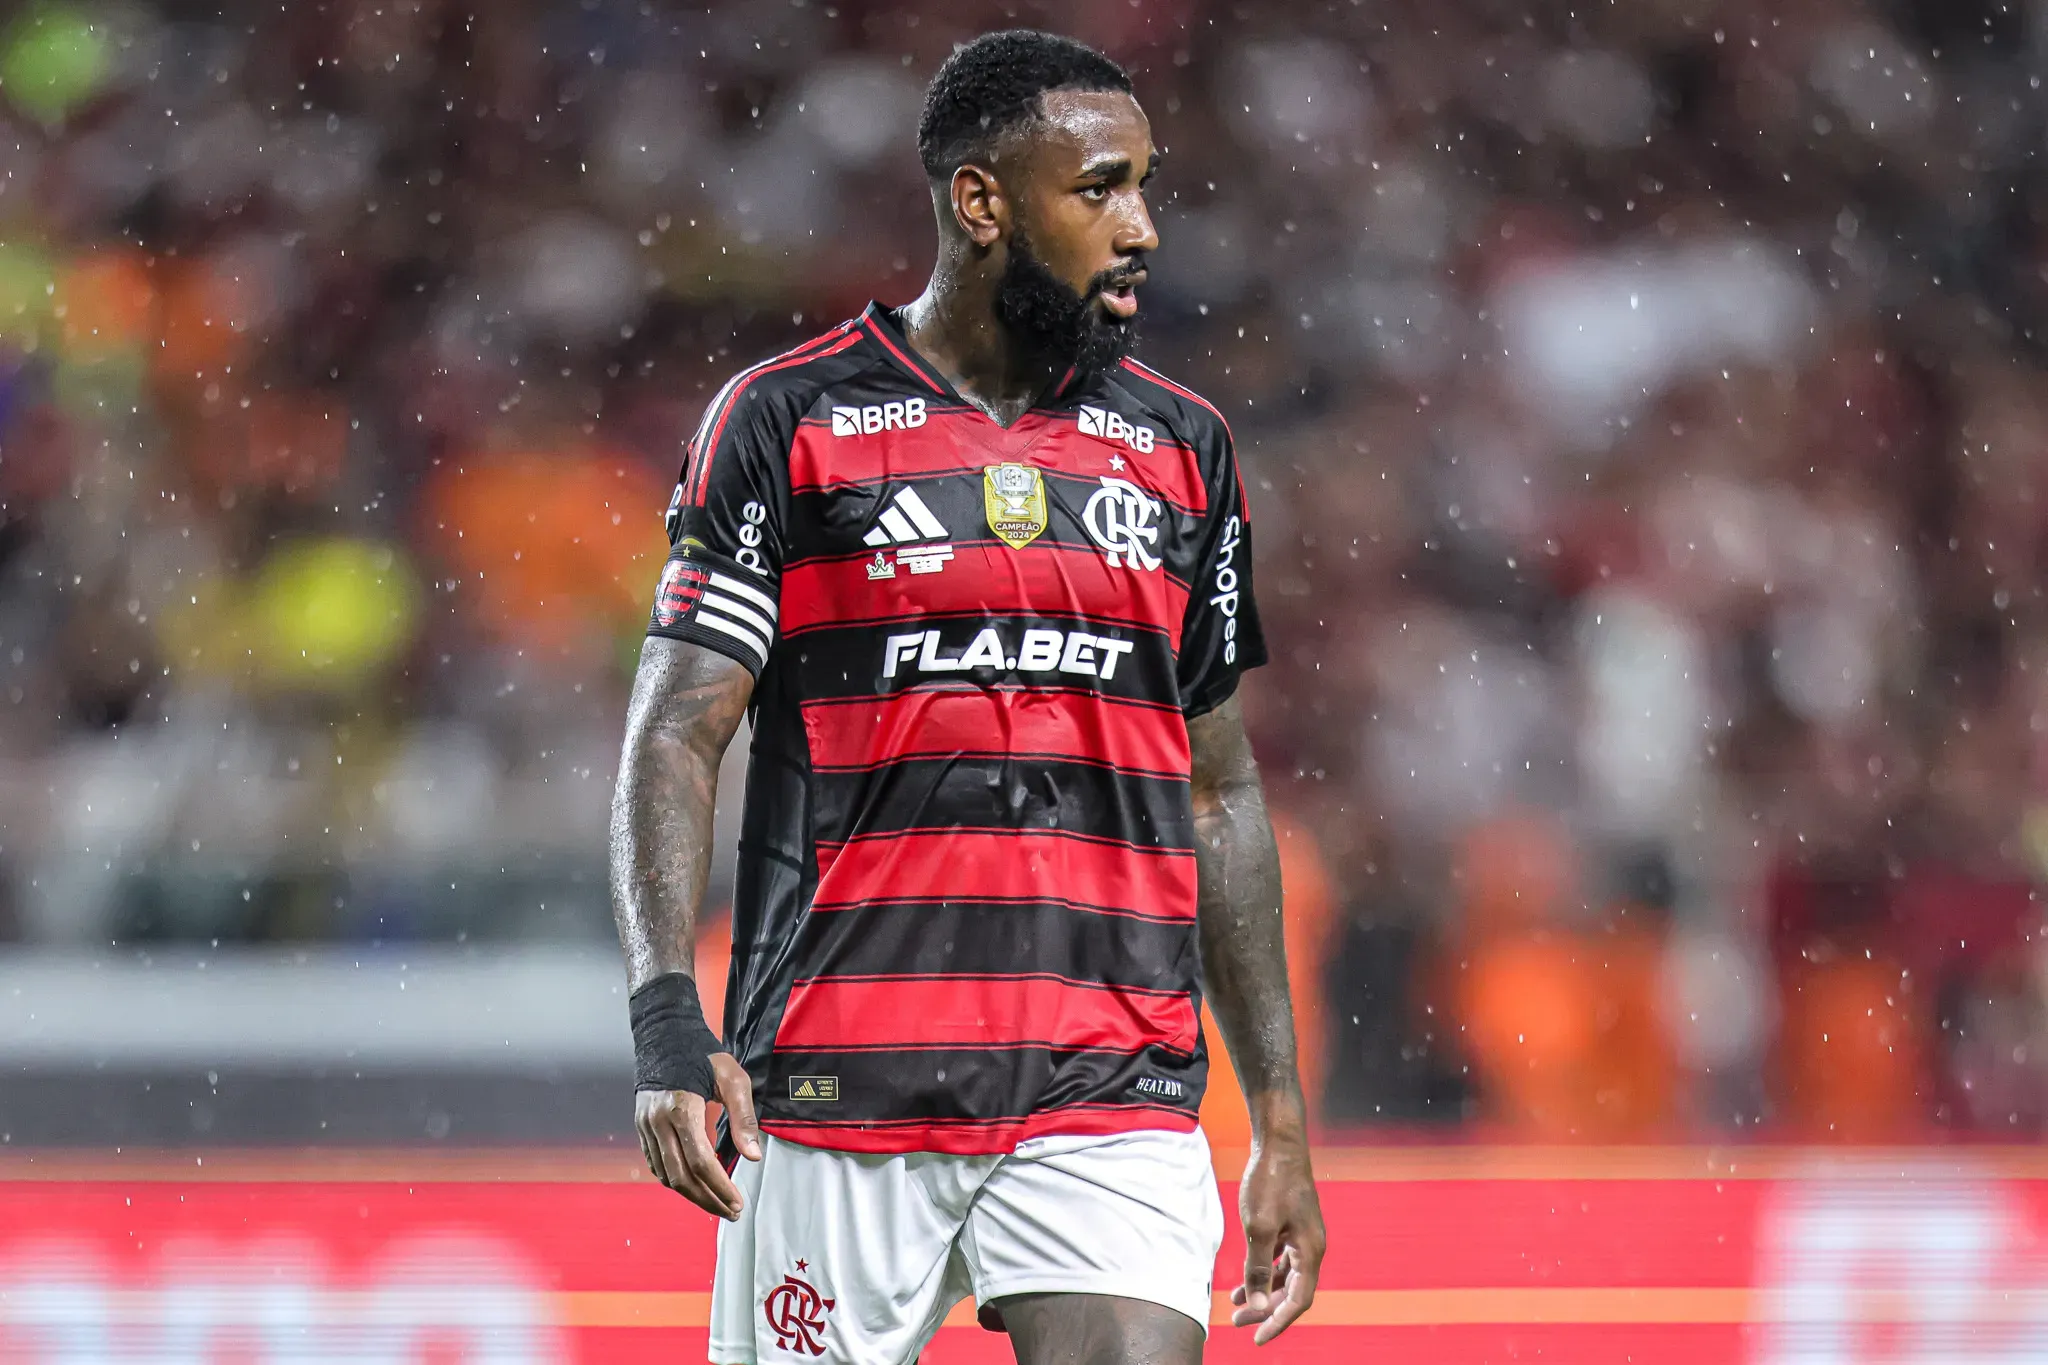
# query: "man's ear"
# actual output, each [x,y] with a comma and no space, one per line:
[980,207]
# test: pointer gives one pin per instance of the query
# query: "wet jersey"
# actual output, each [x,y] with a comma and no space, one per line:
[965,906]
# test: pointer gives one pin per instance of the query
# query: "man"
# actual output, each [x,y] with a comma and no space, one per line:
[985,585]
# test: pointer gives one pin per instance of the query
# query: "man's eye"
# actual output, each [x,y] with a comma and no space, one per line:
[1097,192]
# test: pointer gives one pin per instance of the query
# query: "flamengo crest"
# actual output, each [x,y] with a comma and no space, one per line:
[1120,518]
[1014,496]
[796,1314]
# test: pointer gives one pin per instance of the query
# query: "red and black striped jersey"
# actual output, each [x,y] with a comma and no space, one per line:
[965,906]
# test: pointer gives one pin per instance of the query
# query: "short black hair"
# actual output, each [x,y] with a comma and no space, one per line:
[993,84]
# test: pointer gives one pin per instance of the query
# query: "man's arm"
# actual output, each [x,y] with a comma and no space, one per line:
[687,703]
[1244,972]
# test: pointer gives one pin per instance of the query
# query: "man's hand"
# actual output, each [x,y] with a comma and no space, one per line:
[677,1141]
[1283,1236]
[1244,967]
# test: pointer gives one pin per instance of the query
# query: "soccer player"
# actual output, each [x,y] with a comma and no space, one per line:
[984,583]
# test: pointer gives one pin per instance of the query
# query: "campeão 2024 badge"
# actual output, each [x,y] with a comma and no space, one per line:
[1014,495]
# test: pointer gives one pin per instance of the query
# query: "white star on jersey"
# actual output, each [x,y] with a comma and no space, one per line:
[1116,462]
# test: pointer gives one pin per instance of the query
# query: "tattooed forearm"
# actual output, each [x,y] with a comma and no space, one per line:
[1244,955]
[687,702]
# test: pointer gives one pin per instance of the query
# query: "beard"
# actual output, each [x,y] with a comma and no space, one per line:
[1052,320]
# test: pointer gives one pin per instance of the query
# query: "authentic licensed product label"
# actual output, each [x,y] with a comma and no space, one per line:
[814,1087]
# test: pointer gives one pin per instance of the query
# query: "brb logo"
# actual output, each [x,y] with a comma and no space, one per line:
[866,421]
[1119,517]
[1110,427]
[796,1314]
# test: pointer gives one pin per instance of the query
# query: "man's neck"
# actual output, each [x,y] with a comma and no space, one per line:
[953,325]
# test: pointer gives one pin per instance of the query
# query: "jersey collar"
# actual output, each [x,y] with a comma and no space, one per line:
[881,325]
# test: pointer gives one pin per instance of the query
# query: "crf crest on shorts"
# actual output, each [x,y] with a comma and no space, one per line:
[796,1314]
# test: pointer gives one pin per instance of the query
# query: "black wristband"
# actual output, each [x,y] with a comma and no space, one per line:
[672,1045]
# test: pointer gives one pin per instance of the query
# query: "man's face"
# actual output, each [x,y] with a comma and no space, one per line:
[1080,228]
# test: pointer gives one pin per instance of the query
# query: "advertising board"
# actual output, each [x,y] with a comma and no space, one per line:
[1447,1256]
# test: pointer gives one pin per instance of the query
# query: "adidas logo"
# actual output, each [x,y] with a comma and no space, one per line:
[908,524]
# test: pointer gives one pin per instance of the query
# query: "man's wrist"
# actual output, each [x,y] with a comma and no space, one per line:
[1278,1114]
[672,1044]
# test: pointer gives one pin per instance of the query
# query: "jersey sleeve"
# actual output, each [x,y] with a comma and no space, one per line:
[1220,637]
[720,586]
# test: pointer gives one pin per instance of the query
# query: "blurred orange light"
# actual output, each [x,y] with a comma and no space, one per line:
[105,302]
[551,546]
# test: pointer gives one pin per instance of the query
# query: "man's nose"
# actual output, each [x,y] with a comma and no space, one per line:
[1136,234]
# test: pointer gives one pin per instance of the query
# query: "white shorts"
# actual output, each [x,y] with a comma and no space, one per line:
[845,1256]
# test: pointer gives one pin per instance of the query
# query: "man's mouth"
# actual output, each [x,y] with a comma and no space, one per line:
[1120,296]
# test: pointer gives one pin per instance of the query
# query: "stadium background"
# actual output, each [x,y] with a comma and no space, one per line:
[1648,449]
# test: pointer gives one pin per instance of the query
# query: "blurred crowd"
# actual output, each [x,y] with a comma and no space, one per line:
[1641,405]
